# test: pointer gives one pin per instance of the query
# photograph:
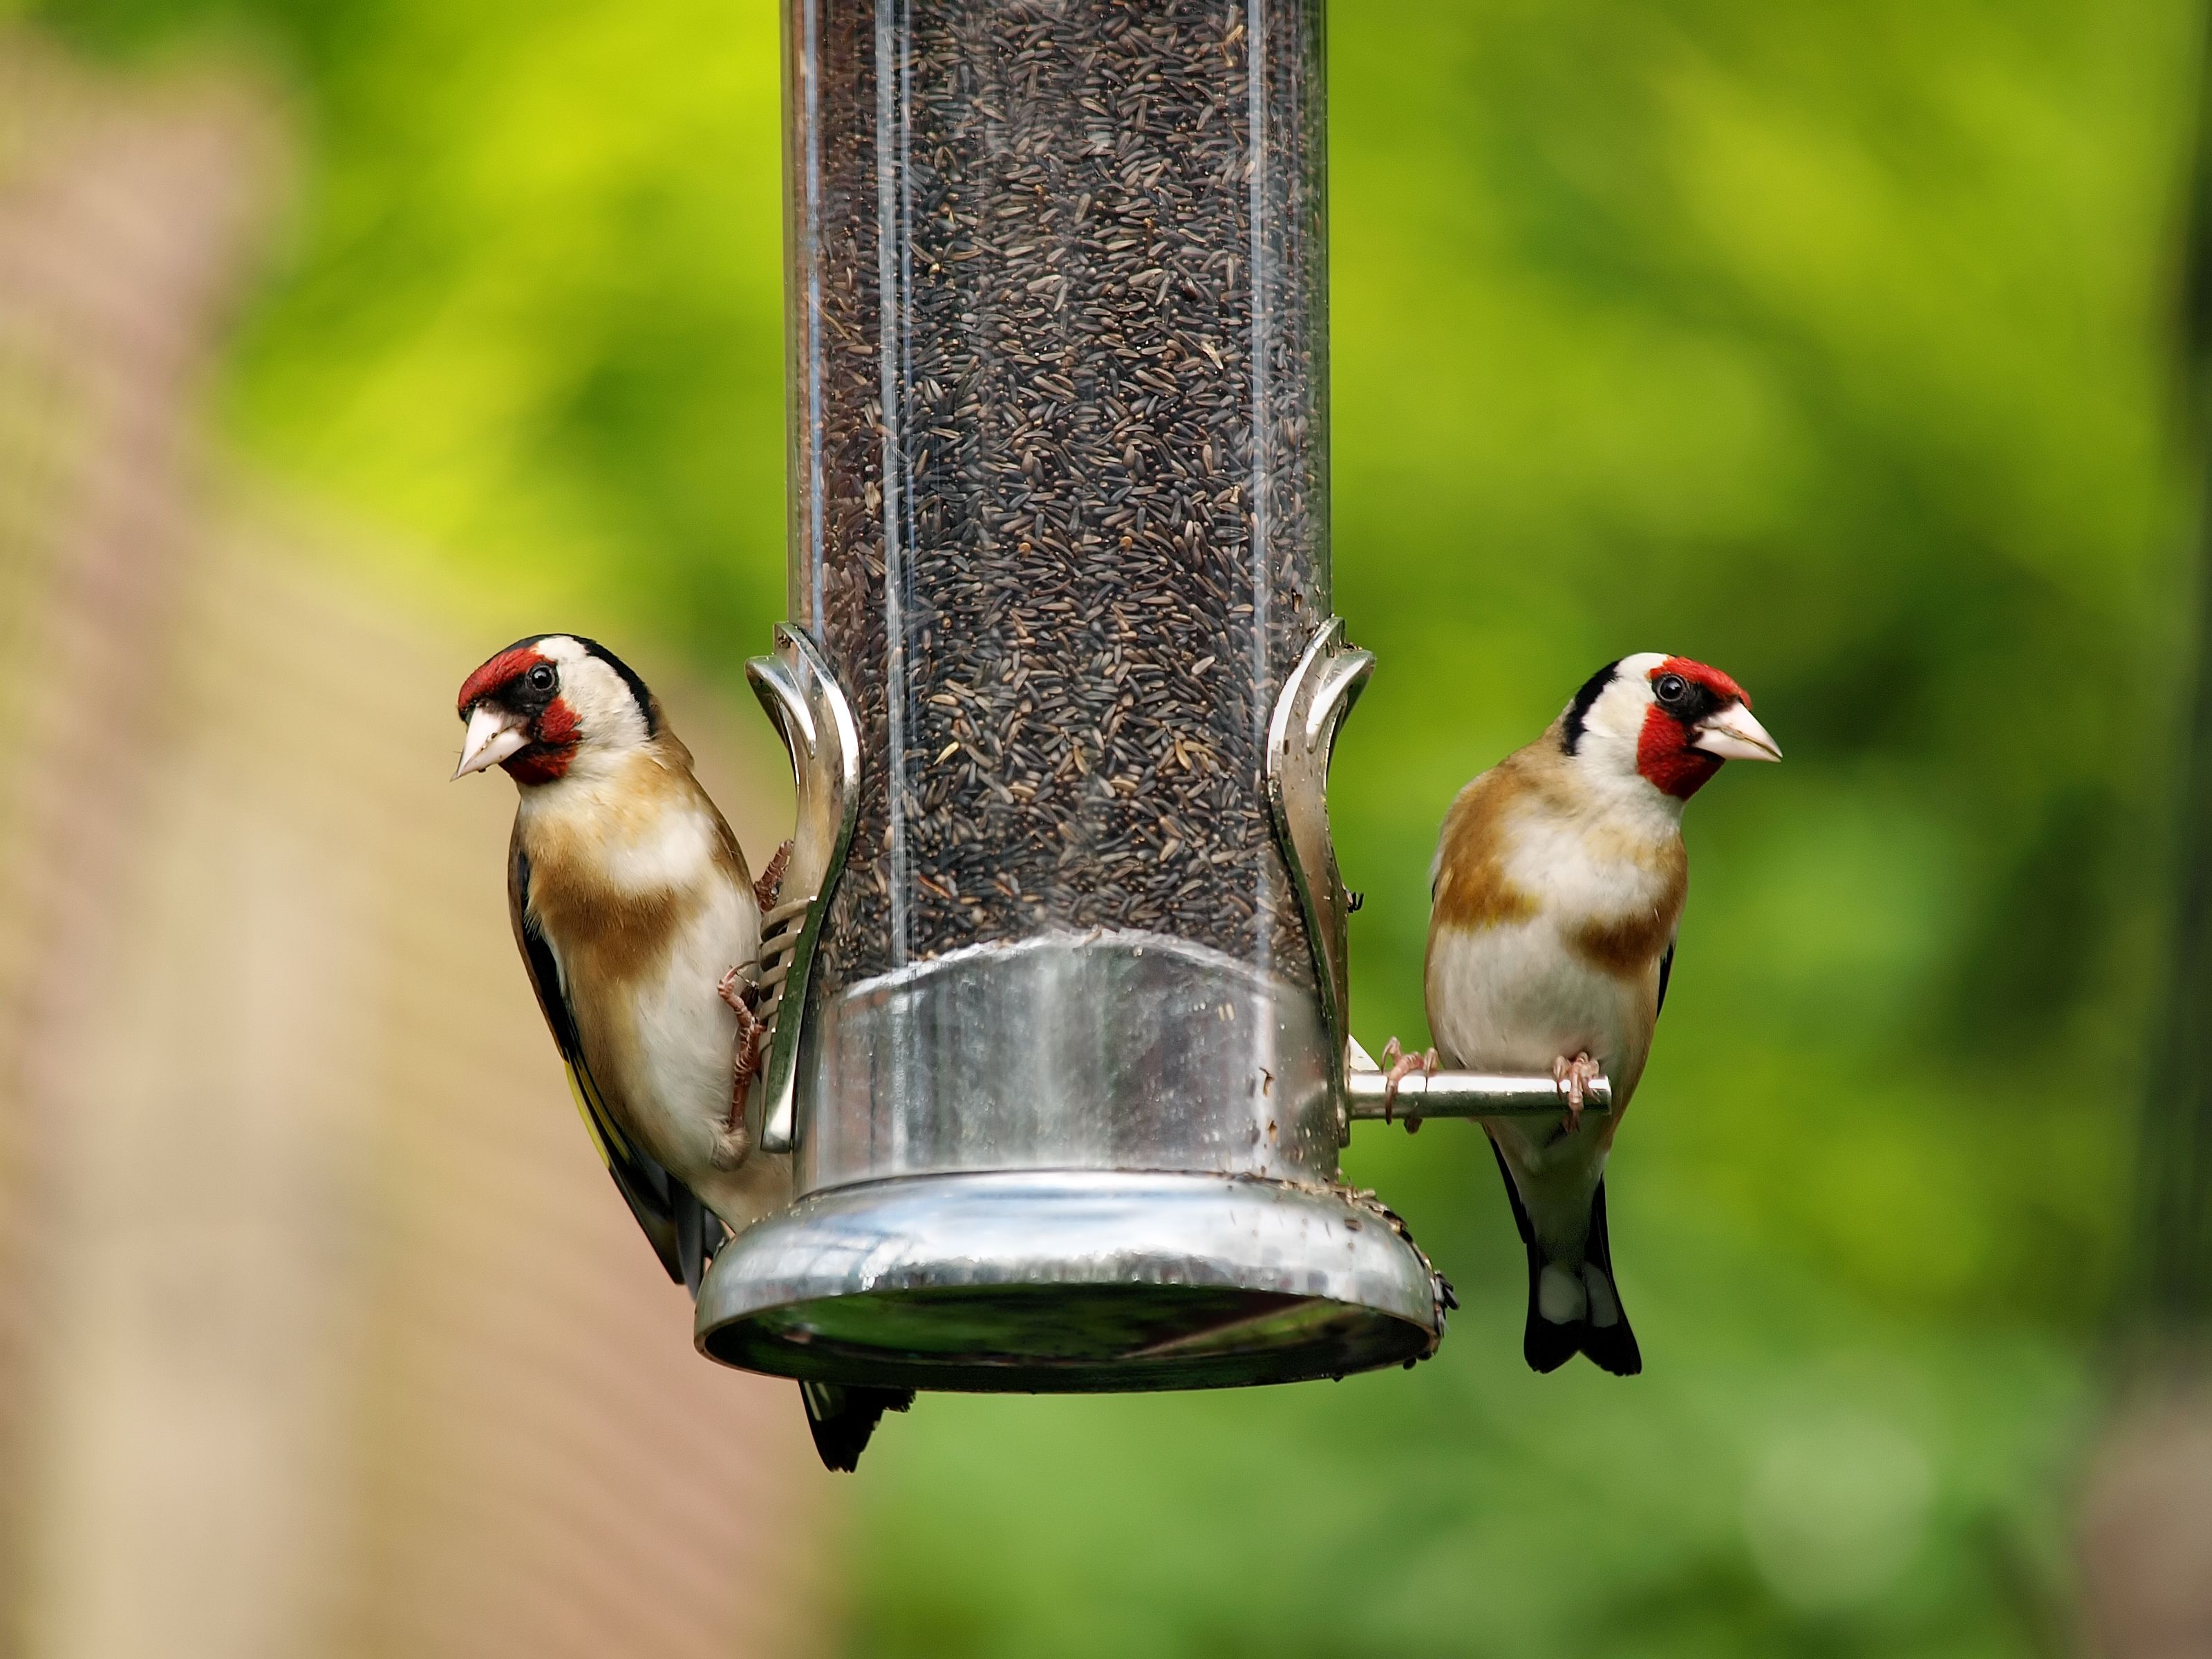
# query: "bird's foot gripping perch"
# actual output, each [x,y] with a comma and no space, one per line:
[1574,1078]
[736,989]
[1398,1065]
[770,882]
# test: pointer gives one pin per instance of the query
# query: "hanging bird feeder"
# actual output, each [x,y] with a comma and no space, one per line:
[1060,1047]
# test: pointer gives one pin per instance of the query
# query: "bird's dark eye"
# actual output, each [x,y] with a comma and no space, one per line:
[1671,687]
[542,677]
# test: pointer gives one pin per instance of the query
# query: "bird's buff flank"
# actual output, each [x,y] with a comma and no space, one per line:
[1557,890]
[640,927]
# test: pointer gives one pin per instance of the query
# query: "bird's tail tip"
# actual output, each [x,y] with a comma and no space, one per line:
[1575,1310]
[843,1420]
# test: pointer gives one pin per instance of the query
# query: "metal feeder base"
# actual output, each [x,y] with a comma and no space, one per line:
[1076,1281]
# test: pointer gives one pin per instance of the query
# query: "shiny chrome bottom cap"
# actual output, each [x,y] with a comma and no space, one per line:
[1070,1282]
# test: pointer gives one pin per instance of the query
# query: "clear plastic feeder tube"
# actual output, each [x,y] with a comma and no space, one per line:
[1057,360]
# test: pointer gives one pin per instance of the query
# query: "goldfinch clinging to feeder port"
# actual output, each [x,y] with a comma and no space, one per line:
[1558,882]
[640,928]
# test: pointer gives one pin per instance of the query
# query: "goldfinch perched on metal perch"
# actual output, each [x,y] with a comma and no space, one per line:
[1559,884]
[640,928]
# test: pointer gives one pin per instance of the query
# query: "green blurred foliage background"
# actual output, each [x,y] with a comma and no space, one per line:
[1829,343]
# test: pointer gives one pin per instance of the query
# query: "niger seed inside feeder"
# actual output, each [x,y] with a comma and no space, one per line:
[1060,368]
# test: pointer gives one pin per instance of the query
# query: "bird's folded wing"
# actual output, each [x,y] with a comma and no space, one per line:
[671,1217]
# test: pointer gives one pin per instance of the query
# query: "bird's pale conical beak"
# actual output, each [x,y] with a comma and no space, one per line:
[492,735]
[1732,734]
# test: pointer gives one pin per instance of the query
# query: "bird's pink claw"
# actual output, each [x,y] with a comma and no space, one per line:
[1574,1078]
[751,1029]
[734,991]
[771,879]
[1398,1065]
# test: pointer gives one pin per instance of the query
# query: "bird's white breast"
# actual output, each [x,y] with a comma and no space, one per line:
[670,853]
[687,1034]
[1594,866]
[1519,994]
[635,852]
[1515,998]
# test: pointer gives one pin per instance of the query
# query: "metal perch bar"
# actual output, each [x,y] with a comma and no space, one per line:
[1460,1094]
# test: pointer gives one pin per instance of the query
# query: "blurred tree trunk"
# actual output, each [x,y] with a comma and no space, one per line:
[2174,1293]
[2146,1513]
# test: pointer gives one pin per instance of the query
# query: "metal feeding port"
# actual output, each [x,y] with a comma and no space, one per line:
[1061,1044]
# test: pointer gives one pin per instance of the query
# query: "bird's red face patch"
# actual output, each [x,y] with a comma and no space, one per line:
[507,682]
[1684,693]
[1723,688]
[552,746]
[502,672]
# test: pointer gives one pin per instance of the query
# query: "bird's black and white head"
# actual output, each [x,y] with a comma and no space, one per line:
[1666,719]
[549,703]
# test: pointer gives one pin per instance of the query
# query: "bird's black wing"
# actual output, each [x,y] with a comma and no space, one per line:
[1666,973]
[683,1233]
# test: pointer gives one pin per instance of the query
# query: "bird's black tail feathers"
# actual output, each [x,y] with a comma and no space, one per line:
[842,1418]
[1601,1328]
[699,1233]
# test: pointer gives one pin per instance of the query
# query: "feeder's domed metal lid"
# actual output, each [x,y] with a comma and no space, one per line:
[1070,1281]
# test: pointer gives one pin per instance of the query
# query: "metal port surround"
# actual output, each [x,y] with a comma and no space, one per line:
[800,692]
